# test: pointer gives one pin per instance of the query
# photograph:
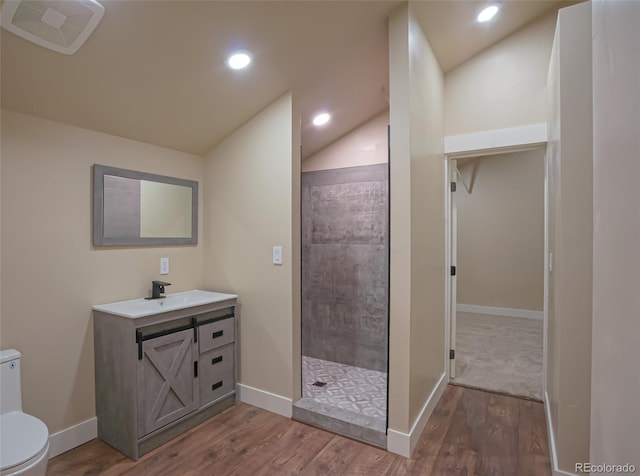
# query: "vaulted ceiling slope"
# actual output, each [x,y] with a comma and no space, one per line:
[154,71]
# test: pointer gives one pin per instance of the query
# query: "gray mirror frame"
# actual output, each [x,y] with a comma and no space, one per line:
[99,171]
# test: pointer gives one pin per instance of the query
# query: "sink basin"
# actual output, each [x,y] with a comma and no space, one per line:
[172,302]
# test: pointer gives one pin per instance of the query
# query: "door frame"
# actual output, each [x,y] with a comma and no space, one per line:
[493,142]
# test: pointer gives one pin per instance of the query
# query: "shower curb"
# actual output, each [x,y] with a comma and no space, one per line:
[343,422]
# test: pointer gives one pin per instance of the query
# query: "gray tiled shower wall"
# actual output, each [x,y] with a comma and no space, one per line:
[345,262]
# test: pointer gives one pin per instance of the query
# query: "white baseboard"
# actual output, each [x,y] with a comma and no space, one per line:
[76,435]
[403,443]
[500,311]
[552,440]
[265,400]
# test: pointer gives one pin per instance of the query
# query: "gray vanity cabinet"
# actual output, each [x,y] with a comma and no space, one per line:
[160,375]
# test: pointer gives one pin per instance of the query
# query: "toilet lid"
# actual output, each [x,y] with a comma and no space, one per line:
[22,437]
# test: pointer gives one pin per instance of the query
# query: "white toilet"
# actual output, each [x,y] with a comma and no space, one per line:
[24,440]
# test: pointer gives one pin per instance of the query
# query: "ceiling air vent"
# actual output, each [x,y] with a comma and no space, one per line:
[60,25]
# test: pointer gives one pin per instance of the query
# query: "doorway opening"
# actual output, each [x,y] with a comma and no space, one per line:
[497,254]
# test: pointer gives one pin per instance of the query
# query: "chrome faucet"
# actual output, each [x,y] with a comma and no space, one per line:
[157,289]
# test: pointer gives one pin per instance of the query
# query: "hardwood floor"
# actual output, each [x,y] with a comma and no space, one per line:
[469,433]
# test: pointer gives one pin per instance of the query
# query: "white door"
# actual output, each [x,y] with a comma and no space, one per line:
[454,261]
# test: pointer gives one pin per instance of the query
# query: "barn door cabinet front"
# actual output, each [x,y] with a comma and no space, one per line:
[167,384]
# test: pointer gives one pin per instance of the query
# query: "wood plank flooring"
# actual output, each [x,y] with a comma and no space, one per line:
[470,432]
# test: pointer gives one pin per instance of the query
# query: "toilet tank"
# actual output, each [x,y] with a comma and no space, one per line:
[10,394]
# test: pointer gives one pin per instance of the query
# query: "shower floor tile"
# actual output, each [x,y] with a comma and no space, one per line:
[354,389]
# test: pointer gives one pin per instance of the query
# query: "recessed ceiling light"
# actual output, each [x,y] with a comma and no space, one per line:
[239,60]
[488,13]
[321,119]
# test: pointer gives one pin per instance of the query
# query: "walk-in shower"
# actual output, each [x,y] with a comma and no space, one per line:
[345,281]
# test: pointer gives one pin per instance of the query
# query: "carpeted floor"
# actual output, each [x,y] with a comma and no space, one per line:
[502,354]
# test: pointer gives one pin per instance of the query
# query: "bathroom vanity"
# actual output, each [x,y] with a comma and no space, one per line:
[162,366]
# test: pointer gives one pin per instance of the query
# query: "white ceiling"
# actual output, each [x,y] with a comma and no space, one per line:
[154,70]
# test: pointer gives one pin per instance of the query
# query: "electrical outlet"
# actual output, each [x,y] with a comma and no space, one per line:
[164,265]
[277,255]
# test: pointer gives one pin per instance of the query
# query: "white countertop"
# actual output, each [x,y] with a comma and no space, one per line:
[135,308]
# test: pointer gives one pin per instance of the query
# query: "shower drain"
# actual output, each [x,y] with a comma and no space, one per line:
[318,383]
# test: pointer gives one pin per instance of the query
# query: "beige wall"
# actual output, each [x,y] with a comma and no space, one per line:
[365,145]
[501,231]
[52,275]
[615,382]
[252,179]
[427,219]
[400,222]
[570,172]
[417,221]
[503,86]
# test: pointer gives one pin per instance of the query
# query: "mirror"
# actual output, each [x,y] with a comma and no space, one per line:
[137,208]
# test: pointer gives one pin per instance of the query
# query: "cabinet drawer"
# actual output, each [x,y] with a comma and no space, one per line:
[216,373]
[216,334]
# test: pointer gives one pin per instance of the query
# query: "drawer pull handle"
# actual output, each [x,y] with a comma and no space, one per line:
[217,334]
[216,385]
[217,360]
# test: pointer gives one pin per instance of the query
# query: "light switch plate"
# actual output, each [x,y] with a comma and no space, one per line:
[277,255]
[164,265]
